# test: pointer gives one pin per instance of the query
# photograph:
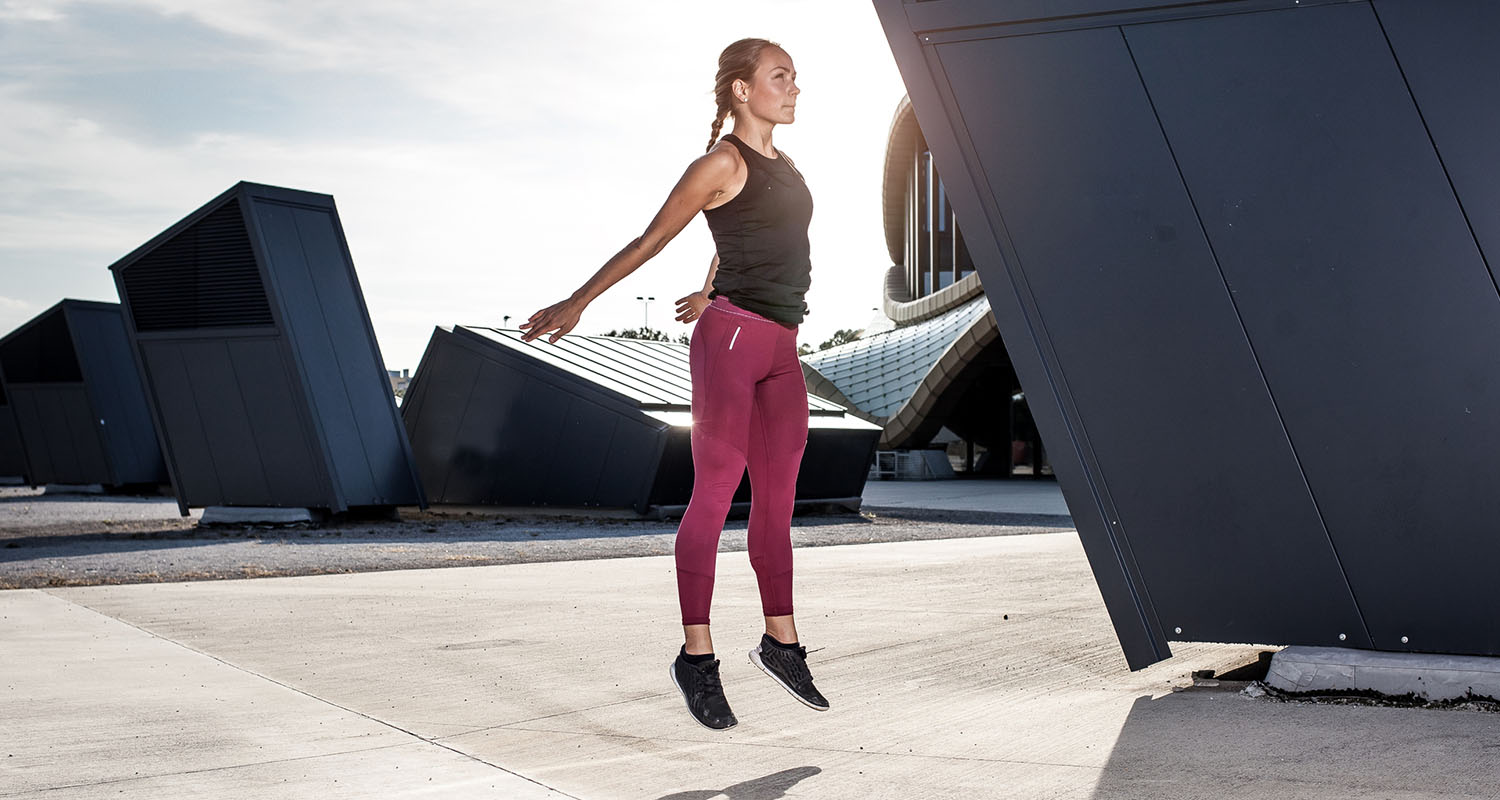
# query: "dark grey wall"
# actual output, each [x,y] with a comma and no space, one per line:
[1235,253]
[116,393]
[12,457]
[77,400]
[236,424]
[323,311]
[489,426]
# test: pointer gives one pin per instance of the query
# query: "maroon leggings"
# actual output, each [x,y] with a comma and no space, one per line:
[749,409]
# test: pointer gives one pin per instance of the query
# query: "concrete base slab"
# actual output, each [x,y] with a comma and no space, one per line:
[1424,675]
[73,488]
[248,515]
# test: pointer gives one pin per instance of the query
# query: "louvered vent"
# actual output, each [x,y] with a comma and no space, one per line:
[205,277]
[41,352]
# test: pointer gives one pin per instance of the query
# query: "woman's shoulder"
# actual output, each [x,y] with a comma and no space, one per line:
[725,152]
[723,159]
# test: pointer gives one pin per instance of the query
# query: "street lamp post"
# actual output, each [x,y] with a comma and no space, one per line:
[645,311]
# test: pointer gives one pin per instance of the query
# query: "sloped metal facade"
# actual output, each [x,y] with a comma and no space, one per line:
[589,421]
[1242,255]
[76,398]
[12,457]
[260,362]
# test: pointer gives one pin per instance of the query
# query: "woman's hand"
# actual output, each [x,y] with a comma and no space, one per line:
[690,307]
[560,317]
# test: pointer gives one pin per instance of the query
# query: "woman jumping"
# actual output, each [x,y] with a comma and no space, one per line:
[749,399]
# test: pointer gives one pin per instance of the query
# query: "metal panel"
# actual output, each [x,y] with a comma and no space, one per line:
[1346,414]
[12,457]
[1110,248]
[1363,291]
[1447,53]
[314,320]
[115,394]
[77,398]
[433,412]
[190,458]
[283,436]
[60,434]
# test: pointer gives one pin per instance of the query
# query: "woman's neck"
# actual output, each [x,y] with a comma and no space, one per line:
[757,136]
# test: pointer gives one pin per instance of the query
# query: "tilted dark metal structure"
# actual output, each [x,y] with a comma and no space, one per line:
[12,457]
[79,410]
[1243,255]
[589,421]
[259,359]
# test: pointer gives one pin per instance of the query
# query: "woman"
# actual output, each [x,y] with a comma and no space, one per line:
[749,399]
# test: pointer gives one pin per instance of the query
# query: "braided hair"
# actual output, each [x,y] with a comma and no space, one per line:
[736,63]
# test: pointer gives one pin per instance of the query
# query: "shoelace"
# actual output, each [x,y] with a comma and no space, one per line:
[711,684]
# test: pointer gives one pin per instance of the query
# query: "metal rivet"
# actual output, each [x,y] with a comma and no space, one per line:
[1404,640]
[1179,630]
[1342,637]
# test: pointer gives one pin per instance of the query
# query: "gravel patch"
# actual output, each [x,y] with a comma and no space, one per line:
[82,540]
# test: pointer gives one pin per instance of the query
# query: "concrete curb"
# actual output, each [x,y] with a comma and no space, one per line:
[1424,675]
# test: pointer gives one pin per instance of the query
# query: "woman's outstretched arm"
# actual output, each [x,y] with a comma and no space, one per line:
[710,175]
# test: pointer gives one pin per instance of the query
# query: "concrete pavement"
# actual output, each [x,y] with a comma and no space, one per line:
[957,668]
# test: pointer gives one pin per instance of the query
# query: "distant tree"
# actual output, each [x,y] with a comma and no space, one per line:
[804,349]
[647,334]
[843,336]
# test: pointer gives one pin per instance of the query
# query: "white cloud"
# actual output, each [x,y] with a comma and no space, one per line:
[30,10]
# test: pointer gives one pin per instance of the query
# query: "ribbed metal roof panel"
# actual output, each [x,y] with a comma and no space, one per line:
[880,372]
[655,375]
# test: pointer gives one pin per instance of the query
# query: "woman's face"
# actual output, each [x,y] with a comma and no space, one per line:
[772,93]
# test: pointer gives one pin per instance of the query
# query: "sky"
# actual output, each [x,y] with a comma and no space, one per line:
[486,157]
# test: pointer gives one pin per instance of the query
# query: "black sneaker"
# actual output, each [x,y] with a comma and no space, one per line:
[703,693]
[788,667]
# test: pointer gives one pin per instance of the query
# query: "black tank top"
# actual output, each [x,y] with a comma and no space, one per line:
[761,236]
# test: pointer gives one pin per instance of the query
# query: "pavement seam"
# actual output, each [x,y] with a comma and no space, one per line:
[803,747]
[308,694]
[203,770]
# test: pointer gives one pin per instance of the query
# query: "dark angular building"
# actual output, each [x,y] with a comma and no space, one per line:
[12,457]
[1242,256]
[589,421]
[259,359]
[75,396]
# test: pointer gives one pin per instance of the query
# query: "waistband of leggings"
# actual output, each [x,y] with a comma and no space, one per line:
[721,303]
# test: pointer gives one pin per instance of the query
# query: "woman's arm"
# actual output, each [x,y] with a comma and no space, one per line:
[688,308]
[710,175]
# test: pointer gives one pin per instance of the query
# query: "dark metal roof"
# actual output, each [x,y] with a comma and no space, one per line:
[654,375]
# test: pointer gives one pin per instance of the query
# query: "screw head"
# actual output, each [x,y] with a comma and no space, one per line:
[1404,640]
[1179,630]
[1342,637]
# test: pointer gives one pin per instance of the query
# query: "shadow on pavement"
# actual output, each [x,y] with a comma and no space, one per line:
[769,787]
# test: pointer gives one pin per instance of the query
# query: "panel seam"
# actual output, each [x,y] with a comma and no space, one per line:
[1245,331]
[1437,151]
